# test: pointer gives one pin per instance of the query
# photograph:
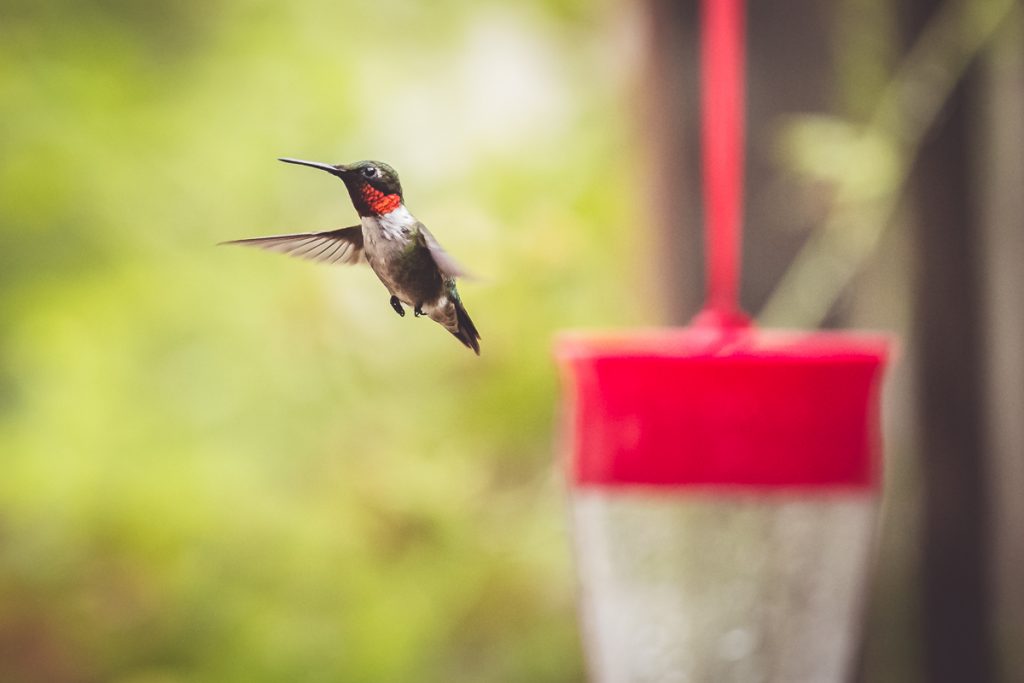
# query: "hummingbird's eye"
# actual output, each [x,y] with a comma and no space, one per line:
[371,172]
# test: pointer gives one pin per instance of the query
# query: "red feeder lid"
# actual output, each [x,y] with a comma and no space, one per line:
[705,407]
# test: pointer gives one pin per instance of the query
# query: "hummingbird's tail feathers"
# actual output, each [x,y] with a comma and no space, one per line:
[334,246]
[466,333]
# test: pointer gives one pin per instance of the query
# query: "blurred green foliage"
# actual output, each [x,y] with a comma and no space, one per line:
[223,465]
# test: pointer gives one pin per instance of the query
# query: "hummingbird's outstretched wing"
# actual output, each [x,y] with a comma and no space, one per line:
[333,246]
[447,265]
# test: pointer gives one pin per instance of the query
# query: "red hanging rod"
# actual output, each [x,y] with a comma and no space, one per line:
[722,117]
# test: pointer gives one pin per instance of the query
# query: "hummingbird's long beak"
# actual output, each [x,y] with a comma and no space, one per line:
[333,170]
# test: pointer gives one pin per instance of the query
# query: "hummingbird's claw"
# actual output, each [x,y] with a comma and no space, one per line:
[397,305]
[418,311]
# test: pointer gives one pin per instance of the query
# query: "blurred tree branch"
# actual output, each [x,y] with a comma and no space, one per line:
[865,206]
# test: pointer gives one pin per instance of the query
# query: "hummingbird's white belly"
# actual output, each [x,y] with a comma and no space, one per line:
[385,240]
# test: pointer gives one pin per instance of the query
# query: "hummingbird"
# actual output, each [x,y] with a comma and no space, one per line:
[407,258]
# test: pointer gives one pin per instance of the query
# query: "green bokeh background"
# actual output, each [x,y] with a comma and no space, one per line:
[223,465]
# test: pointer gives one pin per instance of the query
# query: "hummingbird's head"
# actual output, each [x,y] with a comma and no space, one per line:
[373,186]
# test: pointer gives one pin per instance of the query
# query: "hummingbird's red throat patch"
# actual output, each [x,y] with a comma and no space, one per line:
[377,201]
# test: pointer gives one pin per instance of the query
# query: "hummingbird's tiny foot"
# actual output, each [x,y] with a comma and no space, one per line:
[397,305]
[418,311]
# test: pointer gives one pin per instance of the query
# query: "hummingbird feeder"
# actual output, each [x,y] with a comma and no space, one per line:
[723,480]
